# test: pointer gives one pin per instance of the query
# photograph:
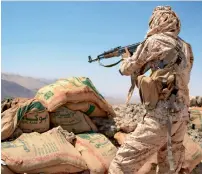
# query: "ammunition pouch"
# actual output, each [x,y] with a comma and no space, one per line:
[158,86]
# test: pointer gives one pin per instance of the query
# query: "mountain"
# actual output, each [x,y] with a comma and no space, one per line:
[12,89]
[27,82]
[15,85]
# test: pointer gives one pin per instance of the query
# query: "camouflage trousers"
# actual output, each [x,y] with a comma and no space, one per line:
[148,138]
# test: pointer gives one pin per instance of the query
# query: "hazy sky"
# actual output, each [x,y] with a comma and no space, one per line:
[54,39]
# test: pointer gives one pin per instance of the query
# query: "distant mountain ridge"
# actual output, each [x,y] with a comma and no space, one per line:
[12,89]
[27,82]
[14,85]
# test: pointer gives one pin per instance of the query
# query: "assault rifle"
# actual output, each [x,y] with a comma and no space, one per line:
[115,52]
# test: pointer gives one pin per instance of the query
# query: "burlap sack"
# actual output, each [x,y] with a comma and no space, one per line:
[72,121]
[35,117]
[8,122]
[120,137]
[6,104]
[196,117]
[5,170]
[29,115]
[72,90]
[19,101]
[96,150]
[15,134]
[88,108]
[193,153]
[47,152]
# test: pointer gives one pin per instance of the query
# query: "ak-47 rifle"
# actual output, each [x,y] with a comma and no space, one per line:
[115,52]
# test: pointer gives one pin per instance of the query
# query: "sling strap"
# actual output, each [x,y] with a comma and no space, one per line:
[110,65]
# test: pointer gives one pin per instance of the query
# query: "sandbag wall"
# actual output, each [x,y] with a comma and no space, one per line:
[196,101]
[70,128]
[54,128]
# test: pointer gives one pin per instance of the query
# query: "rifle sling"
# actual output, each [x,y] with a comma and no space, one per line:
[110,65]
[131,90]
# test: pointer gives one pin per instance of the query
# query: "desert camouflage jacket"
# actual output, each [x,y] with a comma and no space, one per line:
[162,40]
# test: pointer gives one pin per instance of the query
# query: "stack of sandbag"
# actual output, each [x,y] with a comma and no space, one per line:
[196,101]
[72,102]
[72,121]
[196,117]
[96,150]
[49,152]
[193,155]
[65,106]
[23,115]
[57,151]
[75,93]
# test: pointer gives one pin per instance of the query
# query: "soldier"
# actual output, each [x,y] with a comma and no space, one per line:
[164,93]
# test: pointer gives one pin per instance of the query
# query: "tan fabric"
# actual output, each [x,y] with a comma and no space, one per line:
[85,107]
[156,48]
[74,90]
[147,139]
[72,121]
[96,150]
[43,153]
[162,20]
[163,45]
[196,118]
[29,114]
[6,170]
[9,121]
[149,92]
[193,155]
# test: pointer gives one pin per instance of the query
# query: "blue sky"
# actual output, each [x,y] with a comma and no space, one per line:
[54,39]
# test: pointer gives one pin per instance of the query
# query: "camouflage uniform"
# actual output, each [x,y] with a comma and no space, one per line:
[150,136]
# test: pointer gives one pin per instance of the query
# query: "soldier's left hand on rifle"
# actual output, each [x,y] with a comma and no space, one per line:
[126,54]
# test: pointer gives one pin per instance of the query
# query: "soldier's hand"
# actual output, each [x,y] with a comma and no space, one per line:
[126,54]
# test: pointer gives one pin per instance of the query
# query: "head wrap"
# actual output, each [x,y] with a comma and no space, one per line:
[164,20]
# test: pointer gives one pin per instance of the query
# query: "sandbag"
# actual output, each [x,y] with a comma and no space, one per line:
[72,90]
[120,137]
[29,116]
[72,121]
[192,101]
[9,122]
[88,108]
[196,118]
[12,102]
[6,104]
[193,153]
[5,170]
[15,134]
[96,150]
[43,153]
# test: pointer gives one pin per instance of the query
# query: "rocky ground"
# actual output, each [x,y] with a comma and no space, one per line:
[126,121]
